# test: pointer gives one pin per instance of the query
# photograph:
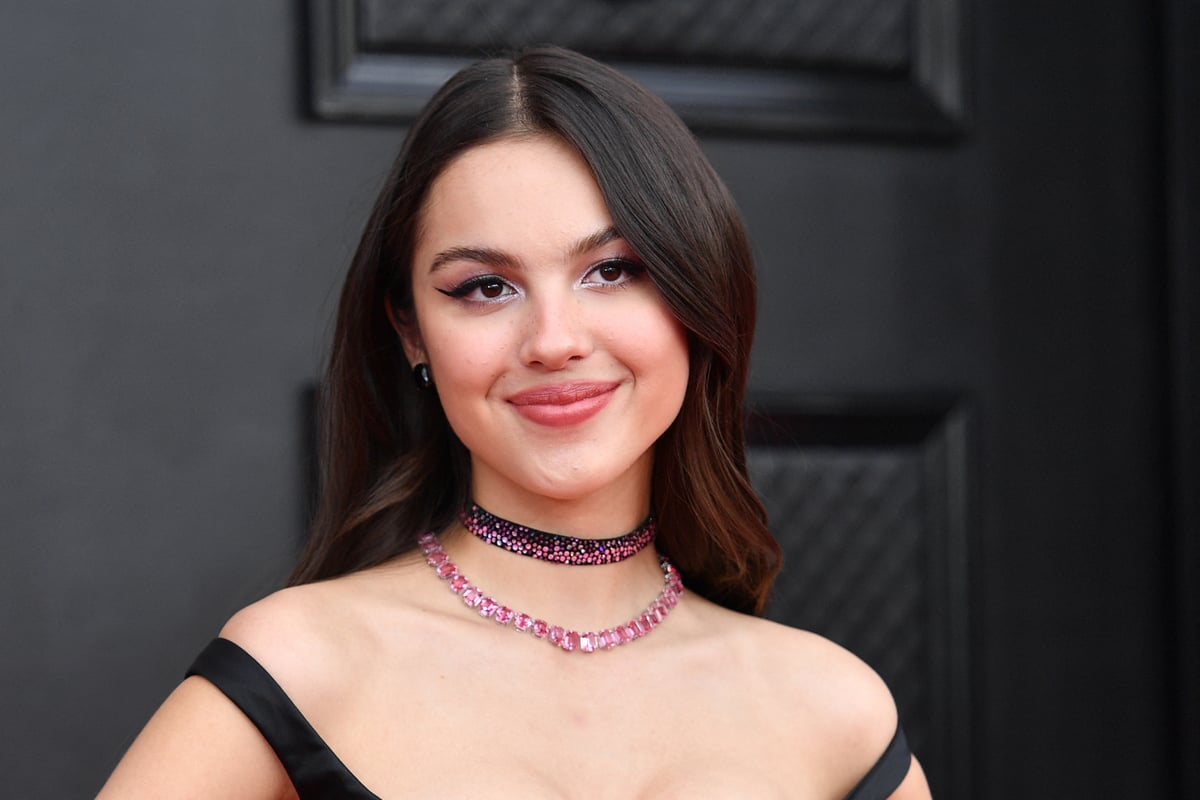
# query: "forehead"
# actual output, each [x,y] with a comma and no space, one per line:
[519,190]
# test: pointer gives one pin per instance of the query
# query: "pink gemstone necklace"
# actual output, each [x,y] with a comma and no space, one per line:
[569,640]
[555,547]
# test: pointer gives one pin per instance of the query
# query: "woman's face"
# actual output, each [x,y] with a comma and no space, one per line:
[555,359]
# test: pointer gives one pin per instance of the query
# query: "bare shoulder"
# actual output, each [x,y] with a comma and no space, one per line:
[818,677]
[828,679]
[824,699]
[199,744]
[849,701]
[292,627]
[315,638]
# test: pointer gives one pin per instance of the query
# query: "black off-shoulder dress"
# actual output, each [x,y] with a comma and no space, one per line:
[317,772]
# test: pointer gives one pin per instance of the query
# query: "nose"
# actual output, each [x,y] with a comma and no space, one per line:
[556,332]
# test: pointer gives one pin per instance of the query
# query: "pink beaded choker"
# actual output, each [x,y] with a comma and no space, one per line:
[590,642]
[553,546]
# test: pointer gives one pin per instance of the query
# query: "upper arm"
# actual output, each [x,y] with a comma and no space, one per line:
[860,717]
[847,715]
[872,722]
[914,787]
[198,745]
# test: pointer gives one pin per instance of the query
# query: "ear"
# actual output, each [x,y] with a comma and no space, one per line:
[409,333]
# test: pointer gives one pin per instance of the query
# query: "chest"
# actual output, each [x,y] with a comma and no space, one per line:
[585,733]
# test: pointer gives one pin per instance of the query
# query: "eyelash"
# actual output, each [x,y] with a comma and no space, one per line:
[471,284]
[630,269]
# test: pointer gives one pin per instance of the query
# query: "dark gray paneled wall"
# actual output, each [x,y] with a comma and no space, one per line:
[171,238]
[172,233]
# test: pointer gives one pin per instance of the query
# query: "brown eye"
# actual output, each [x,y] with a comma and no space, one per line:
[614,272]
[481,289]
[611,271]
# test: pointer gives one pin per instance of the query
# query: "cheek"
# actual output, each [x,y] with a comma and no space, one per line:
[462,357]
[674,359]
[654,345]
[665,340]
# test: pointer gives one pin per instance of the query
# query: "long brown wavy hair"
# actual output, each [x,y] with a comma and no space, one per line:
[391,466]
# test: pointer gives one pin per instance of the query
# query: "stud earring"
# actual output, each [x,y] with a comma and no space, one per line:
[422,377]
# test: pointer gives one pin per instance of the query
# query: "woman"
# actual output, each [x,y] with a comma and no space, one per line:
[569,284]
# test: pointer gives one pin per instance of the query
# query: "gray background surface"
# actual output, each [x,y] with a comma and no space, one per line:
[171,241]
[172,234]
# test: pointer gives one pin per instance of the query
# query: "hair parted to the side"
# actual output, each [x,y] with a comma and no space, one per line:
[393,469]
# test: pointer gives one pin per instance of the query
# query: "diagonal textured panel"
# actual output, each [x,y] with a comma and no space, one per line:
[862,34]
[791,67]
[852,525]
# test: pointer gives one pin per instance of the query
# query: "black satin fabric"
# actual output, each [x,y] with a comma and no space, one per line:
[314,769]
[887,774]
[318,774]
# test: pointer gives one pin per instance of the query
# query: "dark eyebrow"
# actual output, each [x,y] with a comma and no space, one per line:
[483,255]
[498,258]
[596,240]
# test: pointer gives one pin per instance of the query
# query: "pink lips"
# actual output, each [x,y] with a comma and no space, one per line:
[563,404]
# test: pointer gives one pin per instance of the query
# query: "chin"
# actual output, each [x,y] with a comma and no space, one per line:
[569,490]
[561,485]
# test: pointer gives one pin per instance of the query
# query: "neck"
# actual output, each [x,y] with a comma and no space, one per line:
[589,519]
[580,596]
[585,597]
[555,547]
[566,637]
[609,511]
